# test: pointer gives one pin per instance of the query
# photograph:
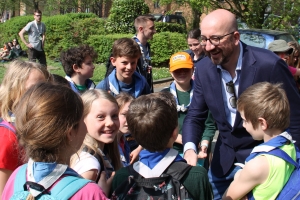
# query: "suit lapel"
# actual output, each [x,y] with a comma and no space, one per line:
[247,76]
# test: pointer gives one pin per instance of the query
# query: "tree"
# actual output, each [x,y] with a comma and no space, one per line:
[253,12]
[123,13]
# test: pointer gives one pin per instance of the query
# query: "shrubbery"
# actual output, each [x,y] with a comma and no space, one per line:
[64,31]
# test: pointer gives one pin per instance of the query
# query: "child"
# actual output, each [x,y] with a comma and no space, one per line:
[124,100]
[79,68]
[265,110]
[152,119]
[99,151]
[125,55]
[49,143]
[19,76]
[181,69]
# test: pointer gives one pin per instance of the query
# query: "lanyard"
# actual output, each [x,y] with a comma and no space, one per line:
[181,108]
[145,64]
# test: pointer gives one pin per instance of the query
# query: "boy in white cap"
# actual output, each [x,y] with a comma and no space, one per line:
[181,69]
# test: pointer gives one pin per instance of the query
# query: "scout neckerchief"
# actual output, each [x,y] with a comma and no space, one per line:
[145,58]
[182,107]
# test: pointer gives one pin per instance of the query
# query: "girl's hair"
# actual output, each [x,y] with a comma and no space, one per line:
[13,84]
[123,98]
[194,34]
[112,148]
[46,114]
[296,49]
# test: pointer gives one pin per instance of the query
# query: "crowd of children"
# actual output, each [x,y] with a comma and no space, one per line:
[82,141]
[11,50]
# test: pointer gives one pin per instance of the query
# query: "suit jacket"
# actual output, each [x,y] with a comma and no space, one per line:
[234,144]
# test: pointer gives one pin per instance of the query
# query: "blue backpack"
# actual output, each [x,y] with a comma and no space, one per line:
[64,188]
[291,190]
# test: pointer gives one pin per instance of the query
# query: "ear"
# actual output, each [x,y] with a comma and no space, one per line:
[263,123]
[70,134]
[113,61]
[76,68]
[175,133]
[140,28]
[236,36]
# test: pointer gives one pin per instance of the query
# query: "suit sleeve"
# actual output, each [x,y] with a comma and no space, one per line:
[194,122]
[281,74]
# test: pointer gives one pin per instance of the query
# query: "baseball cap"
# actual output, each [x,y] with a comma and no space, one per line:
[180,60]
[280,46]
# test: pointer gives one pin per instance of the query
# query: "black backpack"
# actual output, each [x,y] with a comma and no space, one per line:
[167,186]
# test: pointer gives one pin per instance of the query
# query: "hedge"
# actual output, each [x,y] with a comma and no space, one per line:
[65,31]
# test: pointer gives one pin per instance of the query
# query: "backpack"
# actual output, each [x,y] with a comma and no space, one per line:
[167,186]
[291,189]
[64,188]
[7,125]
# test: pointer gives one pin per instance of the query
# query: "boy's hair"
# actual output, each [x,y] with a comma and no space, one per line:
[112,148]
[37,11]
[126,47]
[123,98]
[60,80]
[46,114]
[194,34]
[142,20]
[267,101]
[152,120]
[76,55]
[13,85]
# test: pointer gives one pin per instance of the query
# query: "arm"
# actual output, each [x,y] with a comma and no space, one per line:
[255,172]
[21,34]
[43,40]
[91,174]
[135,154]
[4,175]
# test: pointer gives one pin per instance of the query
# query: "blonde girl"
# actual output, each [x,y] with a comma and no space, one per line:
[19,76]
[99,150]
[50,128]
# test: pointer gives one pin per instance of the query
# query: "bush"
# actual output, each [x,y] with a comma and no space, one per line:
[171,27]
[123,13]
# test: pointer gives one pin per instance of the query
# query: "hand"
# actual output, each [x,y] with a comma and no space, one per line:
[135,154]
[29,46]
[149,69]
[105,184]
[202,152]
[191,157]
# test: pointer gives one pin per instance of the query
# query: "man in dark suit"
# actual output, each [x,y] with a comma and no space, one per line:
[229,68]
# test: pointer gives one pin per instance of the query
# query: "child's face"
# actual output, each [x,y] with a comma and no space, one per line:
[182,75]
[87,68]
[125,67]
[257,134]
[102,122]
[122,117]
[195,46]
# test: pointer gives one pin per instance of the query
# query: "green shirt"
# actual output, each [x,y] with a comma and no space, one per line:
[210,128]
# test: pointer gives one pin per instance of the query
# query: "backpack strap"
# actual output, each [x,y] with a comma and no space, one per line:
[7,125]
[68,186]
[20,178]
[178,169]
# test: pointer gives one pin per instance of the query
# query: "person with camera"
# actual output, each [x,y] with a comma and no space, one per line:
[36,37]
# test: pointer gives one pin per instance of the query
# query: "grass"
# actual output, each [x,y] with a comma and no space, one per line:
[56,68]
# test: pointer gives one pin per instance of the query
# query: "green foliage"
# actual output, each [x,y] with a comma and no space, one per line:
[76,16]
[123,13]
[171,27]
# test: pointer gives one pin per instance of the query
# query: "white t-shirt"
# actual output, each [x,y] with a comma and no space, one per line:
[85,163]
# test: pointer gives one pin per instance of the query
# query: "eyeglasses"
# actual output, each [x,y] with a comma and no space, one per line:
[38,15]
[230,89]
[214,40]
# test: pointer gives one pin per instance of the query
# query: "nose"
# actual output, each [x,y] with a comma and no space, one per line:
[109,121]
[209,46]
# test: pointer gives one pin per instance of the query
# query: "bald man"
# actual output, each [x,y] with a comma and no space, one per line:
[229,68]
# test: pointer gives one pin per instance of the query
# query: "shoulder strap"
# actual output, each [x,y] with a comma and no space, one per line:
[7,125]
[283,155]
[68,186]
[178,169]
[20,178]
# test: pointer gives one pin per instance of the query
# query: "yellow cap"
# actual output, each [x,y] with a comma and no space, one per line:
[180,60]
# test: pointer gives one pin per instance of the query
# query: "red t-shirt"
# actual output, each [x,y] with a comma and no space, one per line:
[9,150]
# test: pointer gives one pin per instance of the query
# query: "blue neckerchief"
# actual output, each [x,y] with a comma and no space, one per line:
[42,169]
[146,58]
[139,83]
[277,142]
[152,158]
[124,156]
[182,107]
[88,83]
